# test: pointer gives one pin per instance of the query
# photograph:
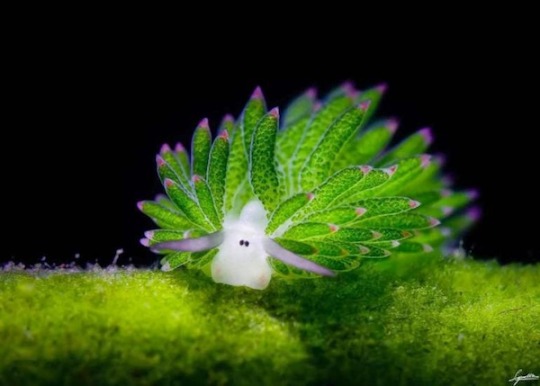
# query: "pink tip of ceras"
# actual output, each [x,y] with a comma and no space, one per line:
[196,178]
[348,87]
[447,210]
[317,106]
[391,170]
[179,148]
[360,211]
[366,169]
[425,160]
[160,161]
[224,134]
[310,196]
[427,135]
[228,118]
[160,197]
[447,232]
[433,222]
[168,182]
[414,204]
[145,242]
[392,125]
[333,228]
[311,93]
[381,88]
[363,249]
[140,205]
[149,235]
[364,105]
[203,124]
[427,248]
[165,148]
[274,113]
[376,235]
[473,194]
[406,234]
[440,159]
[474,213]
[257,93]
[447,180]
[352,93]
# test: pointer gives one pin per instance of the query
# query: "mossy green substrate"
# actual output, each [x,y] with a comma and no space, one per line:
[392,323]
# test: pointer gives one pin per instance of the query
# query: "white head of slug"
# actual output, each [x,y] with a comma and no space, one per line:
[244,250]
[241,259]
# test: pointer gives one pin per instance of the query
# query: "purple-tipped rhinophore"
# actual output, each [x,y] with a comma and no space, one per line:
[278,252]
[199,244]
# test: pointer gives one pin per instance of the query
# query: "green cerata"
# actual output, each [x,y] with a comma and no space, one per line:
[307,193]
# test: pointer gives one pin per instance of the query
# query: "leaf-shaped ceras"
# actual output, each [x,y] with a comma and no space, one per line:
[305,195]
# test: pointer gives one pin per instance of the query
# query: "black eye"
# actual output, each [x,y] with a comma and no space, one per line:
[241,242]
[247,243]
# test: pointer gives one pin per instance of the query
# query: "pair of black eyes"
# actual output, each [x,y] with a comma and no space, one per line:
[244,243]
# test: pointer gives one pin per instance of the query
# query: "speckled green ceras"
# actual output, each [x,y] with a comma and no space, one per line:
[310,192]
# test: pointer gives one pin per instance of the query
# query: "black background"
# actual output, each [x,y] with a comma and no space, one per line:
[83,125]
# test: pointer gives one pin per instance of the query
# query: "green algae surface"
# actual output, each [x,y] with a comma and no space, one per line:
[389,323]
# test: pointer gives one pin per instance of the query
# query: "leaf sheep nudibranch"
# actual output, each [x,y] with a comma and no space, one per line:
[306,194]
